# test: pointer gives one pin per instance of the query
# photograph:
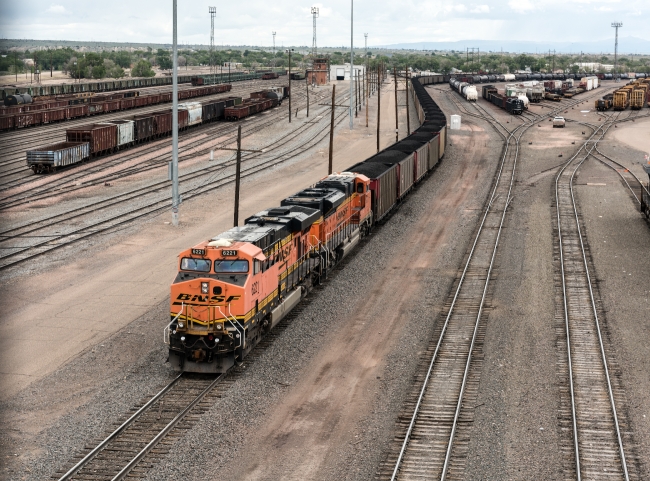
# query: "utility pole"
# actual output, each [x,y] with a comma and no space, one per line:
[273,33]
[314,13]
[213,70]
[352,96]
[396,116]
[237,177]
[307,86]
[51,67]
[175,194]
[378,107]
[366,94]
[408,119]
[356,101]
[16,64]
[331,159]
[616,25]
[289,51]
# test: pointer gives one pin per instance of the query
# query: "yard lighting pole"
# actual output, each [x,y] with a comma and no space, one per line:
[352,96]
[175,194]
[616,25]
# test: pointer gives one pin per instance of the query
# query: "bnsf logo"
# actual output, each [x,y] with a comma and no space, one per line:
[342,214]
[187,298]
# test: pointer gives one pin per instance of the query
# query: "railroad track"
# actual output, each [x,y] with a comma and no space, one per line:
[432,444]
[148,432]
[70,181]
[13,156]
[205,181]
[159,422]
[435,427]
[593,405]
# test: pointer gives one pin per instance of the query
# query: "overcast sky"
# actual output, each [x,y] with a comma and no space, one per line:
[386,22]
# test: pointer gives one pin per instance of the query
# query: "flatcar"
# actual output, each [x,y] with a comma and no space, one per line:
[232,289]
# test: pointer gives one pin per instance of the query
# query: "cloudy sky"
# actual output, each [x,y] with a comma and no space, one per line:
[250,22]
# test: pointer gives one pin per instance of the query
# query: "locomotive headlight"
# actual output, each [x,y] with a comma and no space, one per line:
[204,287]
[219,327]
[181,325]
[183,338]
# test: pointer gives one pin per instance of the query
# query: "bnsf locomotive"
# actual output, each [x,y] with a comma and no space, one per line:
[232,289]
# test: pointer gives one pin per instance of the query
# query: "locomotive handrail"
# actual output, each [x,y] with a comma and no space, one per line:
[166,329]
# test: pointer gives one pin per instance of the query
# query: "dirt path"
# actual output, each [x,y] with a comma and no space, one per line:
[322,411]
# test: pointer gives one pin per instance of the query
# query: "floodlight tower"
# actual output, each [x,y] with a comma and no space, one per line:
[314,13]
[213,70]
[616,25]
[366,47]
[273,33]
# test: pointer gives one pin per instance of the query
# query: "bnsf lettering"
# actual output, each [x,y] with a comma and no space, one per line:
[188,298]
[342,214]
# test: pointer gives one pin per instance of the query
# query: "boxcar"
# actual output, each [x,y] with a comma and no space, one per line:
[162,122]
[101,137]
[48,158]
[383,184]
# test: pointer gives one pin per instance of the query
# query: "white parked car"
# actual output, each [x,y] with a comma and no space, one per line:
[559,122]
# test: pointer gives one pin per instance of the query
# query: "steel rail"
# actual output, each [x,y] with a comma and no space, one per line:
[449,314]
[512,134]
[151,209]
[566,310]
[138,457]
[86,459]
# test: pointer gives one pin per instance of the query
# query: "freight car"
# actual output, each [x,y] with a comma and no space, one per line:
[235,287]
[269,76]
[106,137]
[512,105]
[51,157]
[78,107]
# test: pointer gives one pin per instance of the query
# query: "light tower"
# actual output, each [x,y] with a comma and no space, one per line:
[213,70]
[616,25]
[366,47]
[273,33]
[352,93]
[314,13]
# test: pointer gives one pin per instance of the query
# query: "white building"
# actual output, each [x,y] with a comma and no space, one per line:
[342,72]
[233,64]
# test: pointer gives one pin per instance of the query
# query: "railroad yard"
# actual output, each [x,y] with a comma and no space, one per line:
[493,324]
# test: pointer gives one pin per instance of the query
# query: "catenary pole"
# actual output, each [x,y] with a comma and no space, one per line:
[175,194]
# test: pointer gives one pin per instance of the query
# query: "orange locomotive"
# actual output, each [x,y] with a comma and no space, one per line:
[233,288]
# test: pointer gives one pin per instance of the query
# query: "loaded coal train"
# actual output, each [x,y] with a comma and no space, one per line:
[233,288]
[96,139]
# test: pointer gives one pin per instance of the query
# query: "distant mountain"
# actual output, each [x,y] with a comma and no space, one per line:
[626,45]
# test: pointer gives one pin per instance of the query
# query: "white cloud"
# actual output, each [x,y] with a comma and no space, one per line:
[522,6]
[56,9]
[480,9]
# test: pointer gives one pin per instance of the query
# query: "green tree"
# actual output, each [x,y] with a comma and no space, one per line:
[142,69]
[123,59]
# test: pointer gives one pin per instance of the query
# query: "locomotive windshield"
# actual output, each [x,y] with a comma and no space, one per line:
[198,265]
[231,266]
